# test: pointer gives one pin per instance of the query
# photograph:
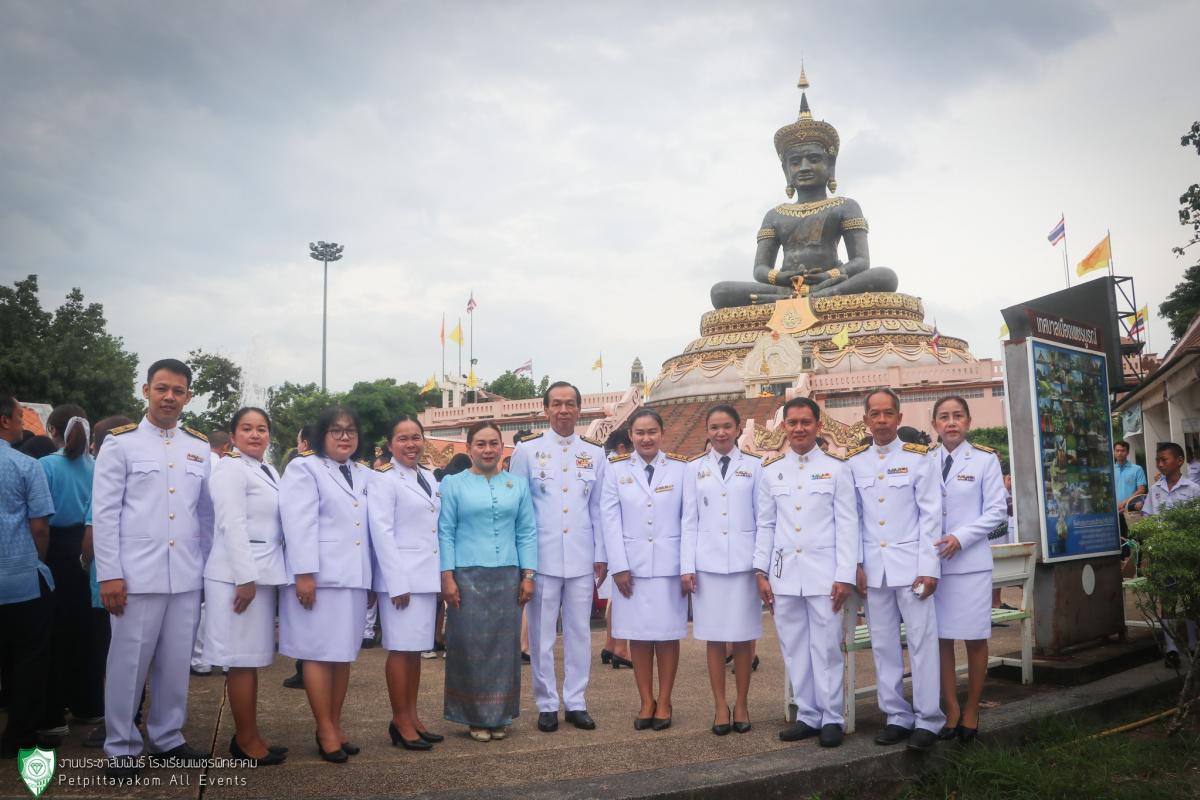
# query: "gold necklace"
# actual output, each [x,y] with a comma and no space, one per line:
[808,209]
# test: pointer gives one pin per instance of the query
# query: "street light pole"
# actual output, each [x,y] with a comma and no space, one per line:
[324,252]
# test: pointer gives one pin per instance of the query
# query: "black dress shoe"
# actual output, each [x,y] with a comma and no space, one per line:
[660,724]
[754,665]
[400,741]
[351,749]
[740,727]
[334,756]
[368,643]
[184,754]
[432,738]
[295,681]
[947,733]
[642,723]
[605,656]
[967,735]
[922,740]
[618,662]
[893,734]
[831,735]
[797,731]
[525,657]
[269,760]
[722,730]
[581,719]
[121,767]
[277,748]
[548,721]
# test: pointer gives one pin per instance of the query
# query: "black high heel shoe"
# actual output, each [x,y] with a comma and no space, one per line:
[605,656]
[618,662]
[269,760]
[432,738]
[642,723]
[947,733]
[399,741]
[333,756]
[722,730]
[740,727]
[351,749]
[967,735]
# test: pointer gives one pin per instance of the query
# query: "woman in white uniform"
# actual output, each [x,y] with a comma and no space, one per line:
[641,506]
[973,506]
[717,560]
[403,505]
[323,503]
[243,574]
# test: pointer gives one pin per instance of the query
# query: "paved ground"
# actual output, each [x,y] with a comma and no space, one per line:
[460,764]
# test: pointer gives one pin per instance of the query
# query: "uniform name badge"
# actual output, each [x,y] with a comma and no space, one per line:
[963,477]
[583,461]
[743,473]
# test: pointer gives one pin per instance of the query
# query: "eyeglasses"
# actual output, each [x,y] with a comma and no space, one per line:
[342,433]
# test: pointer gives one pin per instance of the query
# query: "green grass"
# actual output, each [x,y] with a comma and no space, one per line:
[1054,763]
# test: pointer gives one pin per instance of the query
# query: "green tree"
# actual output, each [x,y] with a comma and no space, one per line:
[1183,302]
[216,382]
[292,406]
[378,403]
[64,357]
[995,438]
[518,387]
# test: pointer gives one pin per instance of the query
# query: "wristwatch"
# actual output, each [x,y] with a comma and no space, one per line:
[527,574]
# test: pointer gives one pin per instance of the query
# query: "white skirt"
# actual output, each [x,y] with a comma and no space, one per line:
[657,612]
[408,630]
[238,640]
[331,631]
[605,590]
[964,606]
[726,608]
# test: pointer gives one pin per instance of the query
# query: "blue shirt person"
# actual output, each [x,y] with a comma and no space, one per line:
[25,582]
[1130,478]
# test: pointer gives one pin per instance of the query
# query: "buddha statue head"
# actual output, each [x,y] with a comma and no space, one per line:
[808,150]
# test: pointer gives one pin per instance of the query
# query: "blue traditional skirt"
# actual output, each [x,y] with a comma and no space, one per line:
[483,648]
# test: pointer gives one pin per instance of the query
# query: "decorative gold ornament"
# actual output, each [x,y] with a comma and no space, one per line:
[806,130]
[808,209]
[832,184]
[855,224]
[771,276]
[791,191]
[835,273]
[766,233]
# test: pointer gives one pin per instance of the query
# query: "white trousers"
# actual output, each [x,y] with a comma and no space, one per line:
[810,636]
[198,662]
[572,597]
[154,636]
[370,620]
[889,606]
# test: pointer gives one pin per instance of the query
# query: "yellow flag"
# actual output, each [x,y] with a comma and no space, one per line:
[842,338]
[456,335]
[599,363]
[430,384]
[1099,258]
[1003,331]
[472,381]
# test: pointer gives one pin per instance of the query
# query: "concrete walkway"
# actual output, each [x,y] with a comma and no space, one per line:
[612,760]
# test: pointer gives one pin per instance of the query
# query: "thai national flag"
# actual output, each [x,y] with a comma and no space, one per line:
[935,341]
[1059,232]
[526,367]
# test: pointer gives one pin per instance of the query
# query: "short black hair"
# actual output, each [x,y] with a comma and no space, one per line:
[8,404]
[561,385]
[306,433]
[646,412]
[458,463]
[404,418]
[803,402]
[951,398]
[170,365]
[1169,447]
[1122,443]
[218,439]
[881,390]
[618,438]
[37,446]
[243,411]
[724,408]
[911,435]
[325,422]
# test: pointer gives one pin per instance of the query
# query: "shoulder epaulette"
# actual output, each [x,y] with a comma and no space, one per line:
[677,457]
[592,441]
[196,433]
[752,455]
[838,456]
[983,447]
[615,459]
[698,456]
[385,467]
[233,454]
[306,453]
[934,446]
[533,436]
[916,448]
[364,463]
[853,451]
[772,459]
[123,429]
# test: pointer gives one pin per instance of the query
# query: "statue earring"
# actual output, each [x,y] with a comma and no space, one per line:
[791,192]
[832,184]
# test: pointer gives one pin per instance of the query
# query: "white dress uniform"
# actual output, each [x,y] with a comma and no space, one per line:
[973,505]
[1159,498]
[900,512]
[152,526]
[718,546]
[565,474]
[247,548]
[326,533]
[404,517]
[642,519]
[807,539]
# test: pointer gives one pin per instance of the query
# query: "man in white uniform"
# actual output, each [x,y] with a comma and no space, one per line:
[564,471]
[152,523]
[806,556]
[900,511]
[1172,488]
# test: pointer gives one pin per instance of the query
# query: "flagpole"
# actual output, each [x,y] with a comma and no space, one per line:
[1066,260]
[1108,236]
[443,345]
[471,318]
[602,373]
[460,347]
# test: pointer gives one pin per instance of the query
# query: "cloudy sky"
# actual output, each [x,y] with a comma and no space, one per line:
[588,169]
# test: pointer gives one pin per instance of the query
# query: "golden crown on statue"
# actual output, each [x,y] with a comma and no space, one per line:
[806,130]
